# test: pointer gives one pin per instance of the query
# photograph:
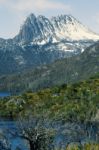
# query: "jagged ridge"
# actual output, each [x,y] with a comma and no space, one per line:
[41,30]
[42,41]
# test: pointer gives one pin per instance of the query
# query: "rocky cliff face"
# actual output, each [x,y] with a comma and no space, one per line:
[41,30]
[42,41]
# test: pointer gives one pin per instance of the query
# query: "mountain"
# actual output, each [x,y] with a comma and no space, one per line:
[68,70]
[41,30]
[42,41]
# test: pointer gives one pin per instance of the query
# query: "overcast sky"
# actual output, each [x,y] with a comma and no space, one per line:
[14,12]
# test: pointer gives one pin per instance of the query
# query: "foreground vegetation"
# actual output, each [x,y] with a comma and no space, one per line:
[73,102]
[87,146]
[72,110]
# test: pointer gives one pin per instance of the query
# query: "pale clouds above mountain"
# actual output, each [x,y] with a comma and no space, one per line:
[14,12]
[96,18]
[36,5]
[2,1]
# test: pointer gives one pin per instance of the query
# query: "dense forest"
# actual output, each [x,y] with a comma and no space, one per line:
[68,70]
[71,106]
[69,101]
[58,103]
[49,76]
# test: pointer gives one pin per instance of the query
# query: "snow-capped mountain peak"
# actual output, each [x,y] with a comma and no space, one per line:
[42,41]
[41,30]
[67,27]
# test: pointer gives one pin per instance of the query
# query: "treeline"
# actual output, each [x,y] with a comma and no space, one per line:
[69,102]
[71,109]
[69,70]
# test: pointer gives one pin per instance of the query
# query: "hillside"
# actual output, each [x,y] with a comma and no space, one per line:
[57,101]
[71,108]
[42,41]
[68,70]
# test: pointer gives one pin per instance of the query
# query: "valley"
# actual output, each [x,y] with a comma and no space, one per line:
[68,70]
[63,108]
[49,86]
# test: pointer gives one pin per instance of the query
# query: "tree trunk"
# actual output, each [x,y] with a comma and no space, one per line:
[33,146]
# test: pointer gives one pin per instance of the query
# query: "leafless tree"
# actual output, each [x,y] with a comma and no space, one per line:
[4,142]
[37,132]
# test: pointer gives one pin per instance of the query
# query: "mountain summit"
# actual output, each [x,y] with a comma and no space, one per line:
[41,30]
[41,41]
